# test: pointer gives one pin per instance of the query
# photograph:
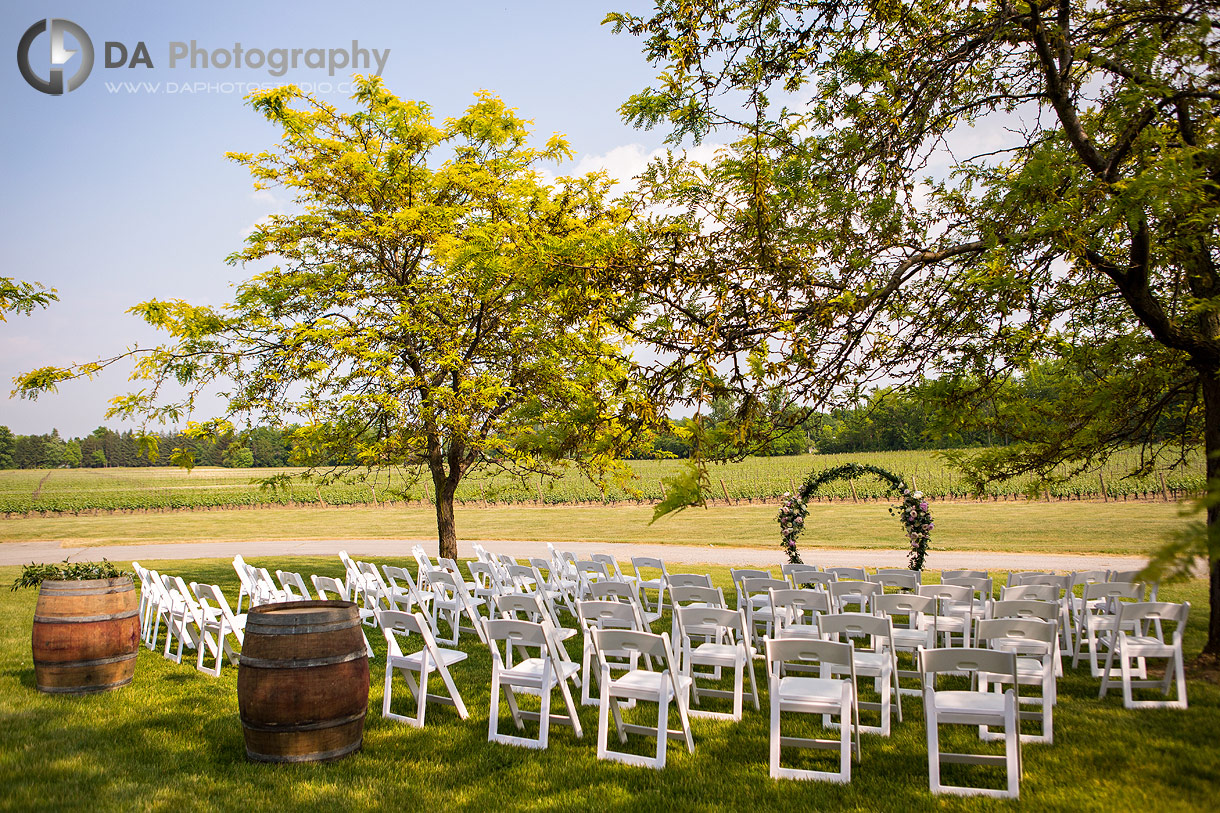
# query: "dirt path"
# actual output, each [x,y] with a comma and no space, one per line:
[14,553]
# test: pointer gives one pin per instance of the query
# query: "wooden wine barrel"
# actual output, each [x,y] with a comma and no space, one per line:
[86,635]
[303,682]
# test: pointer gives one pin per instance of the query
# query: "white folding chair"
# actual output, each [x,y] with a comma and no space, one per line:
[428,658]
[1035,643]
[915,635]
[613,571]
[796,611]
[1138,641]
[294,585]
[824,695]
[659,584]
[877,660]
[219,623]
[665,687]
[601,614]
[1098,620]
[730,650]
[799,574]
[756,592]
[847,594]
[404,595]
[329,588]
[846,573]
[902,581]
[451,603]
[537,674]
[953,615]
[183,619]
[972,707]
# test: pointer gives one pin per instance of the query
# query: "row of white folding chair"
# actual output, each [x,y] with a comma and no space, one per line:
[197,616]
[256,585]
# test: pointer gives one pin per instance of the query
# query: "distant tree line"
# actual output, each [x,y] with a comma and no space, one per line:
[104,448]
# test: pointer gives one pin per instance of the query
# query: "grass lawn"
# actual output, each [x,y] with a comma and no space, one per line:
[1069,527]
[173,740]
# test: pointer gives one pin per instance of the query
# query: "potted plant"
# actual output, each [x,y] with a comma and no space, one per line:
[86,626]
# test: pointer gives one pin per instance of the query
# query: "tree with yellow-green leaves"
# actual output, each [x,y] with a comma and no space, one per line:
[428,303]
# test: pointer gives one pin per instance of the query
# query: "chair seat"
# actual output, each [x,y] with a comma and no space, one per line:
[415,659]
[871,662]
[1146,646]
[642,684]
[716,654]
[965,703]
[906,639]
[651,584]
[530,670]
[811,690]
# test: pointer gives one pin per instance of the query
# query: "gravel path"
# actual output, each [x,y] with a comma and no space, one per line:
[14,553]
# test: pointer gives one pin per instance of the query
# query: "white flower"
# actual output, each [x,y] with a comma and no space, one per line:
[918,495]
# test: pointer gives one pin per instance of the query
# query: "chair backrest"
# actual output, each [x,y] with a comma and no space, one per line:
[610,563]
[720,619]
[711,596]
[1016,578]
[963,574]
[1061,583]
[809,652]
[294,585]
[395,624]
[401,581]
[640,562]
[857,625]
[1025,608]
[210,597]
[525,578]
[854,588]
[902,580]
[595,614]
[517,634]
[1124,575]
[966,659]
[842,572]
[1114,591]
[798,606]
[590,570]
[946,592]
[1080,577]
[1020,634]
[689,580]
[612,591]
[516,605]
[1039,592]
[912,605]
[483,575]
[1141,612]
[980,585]
[656,649]
[328,584]
[797,573]
[740,573]
[762,586]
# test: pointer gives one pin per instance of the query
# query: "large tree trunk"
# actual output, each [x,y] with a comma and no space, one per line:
[1211,443]
[446,527]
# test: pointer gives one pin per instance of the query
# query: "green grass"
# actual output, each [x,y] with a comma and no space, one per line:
[73,490]
[173,740]
[1069,527]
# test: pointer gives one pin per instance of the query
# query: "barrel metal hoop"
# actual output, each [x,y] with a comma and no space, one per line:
[53,588]
[86,663]
[101,687]
[259,625]
[322,757]
[283,663]
[85,619]
[292,728]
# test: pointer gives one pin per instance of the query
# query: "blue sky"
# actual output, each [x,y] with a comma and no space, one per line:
[114,197]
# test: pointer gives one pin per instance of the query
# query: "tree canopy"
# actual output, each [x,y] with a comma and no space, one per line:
[429,302]
[961,189]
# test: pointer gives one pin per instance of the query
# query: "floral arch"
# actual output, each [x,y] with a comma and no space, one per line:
[913,512]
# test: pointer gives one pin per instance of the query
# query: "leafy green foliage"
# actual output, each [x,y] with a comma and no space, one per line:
[431,303]
[34,574]
[22,297]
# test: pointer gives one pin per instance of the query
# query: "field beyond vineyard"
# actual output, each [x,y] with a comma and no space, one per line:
[70,491]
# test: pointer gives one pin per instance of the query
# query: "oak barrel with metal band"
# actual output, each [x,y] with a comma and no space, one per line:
[303,682]
[86,635]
